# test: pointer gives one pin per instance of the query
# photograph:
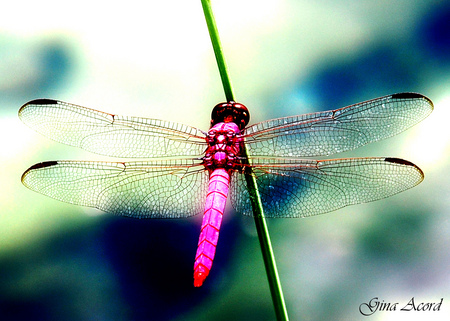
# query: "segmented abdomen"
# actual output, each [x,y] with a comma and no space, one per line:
[212,219]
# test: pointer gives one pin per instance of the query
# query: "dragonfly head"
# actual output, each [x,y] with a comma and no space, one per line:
[230,112]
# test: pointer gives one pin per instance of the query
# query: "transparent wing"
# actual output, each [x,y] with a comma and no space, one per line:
[151,189]
[111,135]
[299,188]
[329,132]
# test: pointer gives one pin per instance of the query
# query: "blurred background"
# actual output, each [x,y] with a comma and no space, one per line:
[154,59]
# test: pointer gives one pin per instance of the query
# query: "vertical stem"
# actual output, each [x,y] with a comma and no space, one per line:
[218,51]
[266,246]
[258,213]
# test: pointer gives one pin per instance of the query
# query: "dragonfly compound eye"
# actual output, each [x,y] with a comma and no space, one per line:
[230,112]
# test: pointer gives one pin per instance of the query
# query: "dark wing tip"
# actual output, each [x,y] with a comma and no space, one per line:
[403,162]
[412,96]
[38,166]
[41,101]
[42,165]
[407,95]
[394,160]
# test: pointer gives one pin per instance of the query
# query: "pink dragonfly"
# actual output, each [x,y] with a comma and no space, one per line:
[192,171]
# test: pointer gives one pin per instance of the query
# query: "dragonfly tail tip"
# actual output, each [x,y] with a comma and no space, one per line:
[199,278]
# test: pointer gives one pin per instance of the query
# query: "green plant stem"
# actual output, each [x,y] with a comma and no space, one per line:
[266,246]
[218,52]
[258,212]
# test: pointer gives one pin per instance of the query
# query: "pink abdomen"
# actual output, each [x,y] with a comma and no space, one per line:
[212,219]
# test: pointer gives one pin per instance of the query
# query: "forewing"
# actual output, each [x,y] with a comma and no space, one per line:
[329,132]
[151,189]
[111,135]
[299,188]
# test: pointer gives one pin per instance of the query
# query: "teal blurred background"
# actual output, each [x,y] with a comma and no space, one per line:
[154,59]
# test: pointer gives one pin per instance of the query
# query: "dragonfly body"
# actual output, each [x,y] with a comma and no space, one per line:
[221,157]
[191,172]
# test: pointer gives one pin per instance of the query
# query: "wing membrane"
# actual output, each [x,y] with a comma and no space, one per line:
[151,189]
[299,188]
[111,135]
[330,132]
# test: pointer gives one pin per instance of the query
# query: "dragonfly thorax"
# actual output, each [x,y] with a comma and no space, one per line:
[224,146]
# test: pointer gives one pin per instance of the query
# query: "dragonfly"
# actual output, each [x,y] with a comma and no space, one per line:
[182,171]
